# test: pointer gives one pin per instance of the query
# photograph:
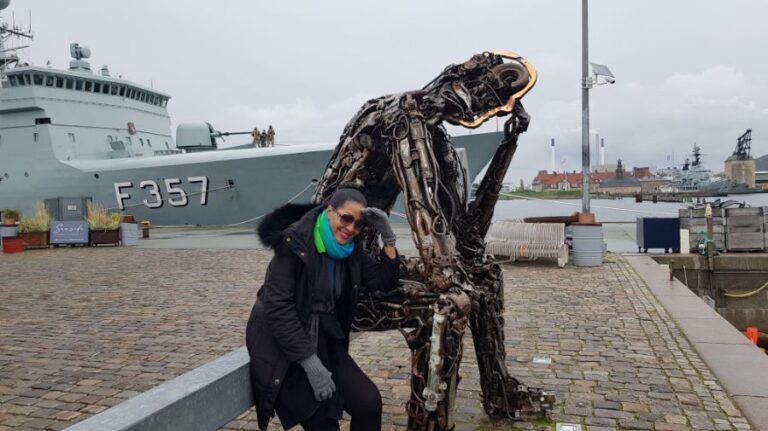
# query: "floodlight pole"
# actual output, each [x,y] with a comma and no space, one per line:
[585,84]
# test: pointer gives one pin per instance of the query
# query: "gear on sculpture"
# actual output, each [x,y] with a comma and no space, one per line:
[397,143]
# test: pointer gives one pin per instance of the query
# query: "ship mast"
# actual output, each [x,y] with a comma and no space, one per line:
[8,55]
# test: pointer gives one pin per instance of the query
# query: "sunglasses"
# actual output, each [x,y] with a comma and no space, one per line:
[348,219]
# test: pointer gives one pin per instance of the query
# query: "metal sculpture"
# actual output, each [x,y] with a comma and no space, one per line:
[398,143]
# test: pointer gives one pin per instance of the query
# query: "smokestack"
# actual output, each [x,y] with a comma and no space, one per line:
[552,156]
[602,151]
[597,148]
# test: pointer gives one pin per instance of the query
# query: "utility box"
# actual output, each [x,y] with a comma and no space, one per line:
[658,232]
[67,209]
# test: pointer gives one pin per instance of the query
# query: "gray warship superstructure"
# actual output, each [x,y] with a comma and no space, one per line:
[695,179]
[76,133]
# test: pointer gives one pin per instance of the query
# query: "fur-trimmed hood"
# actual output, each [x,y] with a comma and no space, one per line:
[271,230]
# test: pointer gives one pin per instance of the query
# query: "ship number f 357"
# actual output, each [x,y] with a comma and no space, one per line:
[175,195]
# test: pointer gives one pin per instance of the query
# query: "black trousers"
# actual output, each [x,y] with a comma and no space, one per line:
[362,400]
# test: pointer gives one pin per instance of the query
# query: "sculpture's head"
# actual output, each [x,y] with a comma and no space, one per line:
[487,85]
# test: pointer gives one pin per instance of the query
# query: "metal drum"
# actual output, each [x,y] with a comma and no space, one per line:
[129,233]
[587,244]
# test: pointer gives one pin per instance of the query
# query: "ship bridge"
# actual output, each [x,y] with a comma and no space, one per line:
[82,115]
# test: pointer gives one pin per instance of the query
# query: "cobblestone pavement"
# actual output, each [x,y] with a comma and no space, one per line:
[84,329]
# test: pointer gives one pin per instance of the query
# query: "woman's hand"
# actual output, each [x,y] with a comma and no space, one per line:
[319,377]
[380,221]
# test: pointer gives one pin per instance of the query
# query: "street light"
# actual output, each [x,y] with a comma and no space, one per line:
[588,81]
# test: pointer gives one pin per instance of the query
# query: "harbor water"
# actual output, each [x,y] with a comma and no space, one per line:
[606,210]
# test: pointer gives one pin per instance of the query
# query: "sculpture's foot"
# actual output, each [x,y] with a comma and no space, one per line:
[522,402]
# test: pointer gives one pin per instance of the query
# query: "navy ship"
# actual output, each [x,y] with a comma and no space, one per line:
[696,180]
[78,133]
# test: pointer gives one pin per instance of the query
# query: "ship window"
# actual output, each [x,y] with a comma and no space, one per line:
[13,81]
[141,140]
[96,87]
[35,137]
[88,85]
[113,89]
[59,82]
[68,84]
[167,147]
[28,78]
[133,93]
[78,84]
[143,97]
[128,140]
[43,120]
[149,143]
[48,81]
[122,91]
[38,79]
[105,88]
[71,137]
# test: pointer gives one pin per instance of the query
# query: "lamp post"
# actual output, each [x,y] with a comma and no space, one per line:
[584,107]
[588,81]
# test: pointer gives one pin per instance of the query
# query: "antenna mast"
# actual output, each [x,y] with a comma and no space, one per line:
[8,55]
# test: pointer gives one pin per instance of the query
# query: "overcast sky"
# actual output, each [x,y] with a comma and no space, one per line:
[687,70]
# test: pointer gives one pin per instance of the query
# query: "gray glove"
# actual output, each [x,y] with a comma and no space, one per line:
[319,377]
[380,221]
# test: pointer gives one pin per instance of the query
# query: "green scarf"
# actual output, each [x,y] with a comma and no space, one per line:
[326,243]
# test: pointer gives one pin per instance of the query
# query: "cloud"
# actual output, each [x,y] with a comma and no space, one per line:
[641,123]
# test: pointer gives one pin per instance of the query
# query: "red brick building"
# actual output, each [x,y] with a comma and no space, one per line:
[572,180]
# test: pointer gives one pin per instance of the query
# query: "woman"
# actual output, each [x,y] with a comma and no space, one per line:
[298,332]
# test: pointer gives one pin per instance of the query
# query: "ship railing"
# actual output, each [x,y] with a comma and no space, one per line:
[203,399]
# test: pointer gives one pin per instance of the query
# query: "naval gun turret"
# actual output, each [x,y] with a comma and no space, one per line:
[196,137]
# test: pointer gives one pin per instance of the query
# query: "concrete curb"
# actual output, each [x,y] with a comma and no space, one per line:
[205,398]
[740,367]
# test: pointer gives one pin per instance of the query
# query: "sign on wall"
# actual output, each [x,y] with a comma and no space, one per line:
[69,232]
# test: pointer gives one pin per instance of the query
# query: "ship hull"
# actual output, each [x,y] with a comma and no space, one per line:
[200,189]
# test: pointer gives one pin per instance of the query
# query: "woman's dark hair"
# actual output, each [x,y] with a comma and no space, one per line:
[345,194]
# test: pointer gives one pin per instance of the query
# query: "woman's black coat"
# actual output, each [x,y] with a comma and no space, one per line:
[276,334]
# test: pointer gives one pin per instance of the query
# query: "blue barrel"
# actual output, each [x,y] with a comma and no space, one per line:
[587,244]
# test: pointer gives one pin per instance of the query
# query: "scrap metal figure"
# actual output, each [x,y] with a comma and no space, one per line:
[398,143]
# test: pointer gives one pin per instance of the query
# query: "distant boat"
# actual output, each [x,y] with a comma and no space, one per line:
[695,179]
